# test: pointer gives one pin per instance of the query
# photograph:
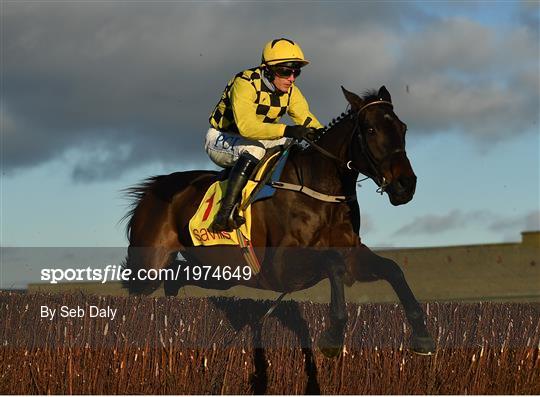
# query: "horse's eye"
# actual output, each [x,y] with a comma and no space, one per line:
[371,131]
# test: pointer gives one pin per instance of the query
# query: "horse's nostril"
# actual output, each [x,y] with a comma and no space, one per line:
[406,182]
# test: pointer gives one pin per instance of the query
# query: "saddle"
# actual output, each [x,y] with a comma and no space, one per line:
[258,188]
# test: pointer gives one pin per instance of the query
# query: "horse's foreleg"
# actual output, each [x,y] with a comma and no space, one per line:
[387,269]
[331,341]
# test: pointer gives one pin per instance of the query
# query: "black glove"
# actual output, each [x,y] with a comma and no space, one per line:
[296,131]
[315,134]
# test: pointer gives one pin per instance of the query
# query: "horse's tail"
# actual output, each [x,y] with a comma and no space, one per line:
[135,194]
[137,256]
[150,204]
[163,186]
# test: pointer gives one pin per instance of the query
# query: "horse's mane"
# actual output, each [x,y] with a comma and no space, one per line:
[368,95]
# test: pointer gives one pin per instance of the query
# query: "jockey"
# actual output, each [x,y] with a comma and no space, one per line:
[245,122]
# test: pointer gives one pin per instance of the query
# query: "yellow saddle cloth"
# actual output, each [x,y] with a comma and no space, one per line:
[209,206]
[203,218]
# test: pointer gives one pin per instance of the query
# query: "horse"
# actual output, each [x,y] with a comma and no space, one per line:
[299,239]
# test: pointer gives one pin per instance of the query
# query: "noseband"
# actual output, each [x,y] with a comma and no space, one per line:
[379,179]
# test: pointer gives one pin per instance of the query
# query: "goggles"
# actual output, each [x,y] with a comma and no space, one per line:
[285,72]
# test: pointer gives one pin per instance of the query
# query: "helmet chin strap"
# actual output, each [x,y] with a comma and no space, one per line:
[268,78]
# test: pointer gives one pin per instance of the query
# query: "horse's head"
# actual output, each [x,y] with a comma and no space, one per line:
[378,145]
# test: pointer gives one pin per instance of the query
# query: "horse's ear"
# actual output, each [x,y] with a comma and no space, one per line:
[355,101]
[384,94]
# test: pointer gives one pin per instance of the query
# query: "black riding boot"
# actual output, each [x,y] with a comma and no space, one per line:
[225,219]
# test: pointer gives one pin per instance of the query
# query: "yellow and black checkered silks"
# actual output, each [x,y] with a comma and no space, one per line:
[248,107]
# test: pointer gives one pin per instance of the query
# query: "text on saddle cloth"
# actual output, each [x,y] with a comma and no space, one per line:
[208,208]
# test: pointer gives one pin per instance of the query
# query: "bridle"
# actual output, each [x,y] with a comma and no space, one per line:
[373,163]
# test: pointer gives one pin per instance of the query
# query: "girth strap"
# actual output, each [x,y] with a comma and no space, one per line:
[312,193]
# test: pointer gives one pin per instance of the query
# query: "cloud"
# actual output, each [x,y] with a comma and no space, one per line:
[460,78]
[529,221]
[133,83]
[437,223]
[458,219]
[529,15]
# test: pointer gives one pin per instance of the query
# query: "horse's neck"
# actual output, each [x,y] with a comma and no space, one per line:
[322,173]
[338,138]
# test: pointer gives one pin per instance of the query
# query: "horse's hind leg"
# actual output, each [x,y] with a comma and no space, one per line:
[145,264]
[172,286]
[386,269]
[331,341]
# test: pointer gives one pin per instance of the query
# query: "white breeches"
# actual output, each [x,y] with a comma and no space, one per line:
[224,148]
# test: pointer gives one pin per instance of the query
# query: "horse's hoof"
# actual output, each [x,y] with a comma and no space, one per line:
[423,345]
[328,346]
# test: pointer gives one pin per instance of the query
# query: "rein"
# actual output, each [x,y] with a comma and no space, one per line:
[379,179]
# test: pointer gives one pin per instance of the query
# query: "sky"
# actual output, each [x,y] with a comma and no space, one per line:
[98,95]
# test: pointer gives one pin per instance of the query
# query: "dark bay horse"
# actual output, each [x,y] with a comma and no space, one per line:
[299,240]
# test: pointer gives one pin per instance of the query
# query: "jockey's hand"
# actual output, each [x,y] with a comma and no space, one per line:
[297,131]
[315,133]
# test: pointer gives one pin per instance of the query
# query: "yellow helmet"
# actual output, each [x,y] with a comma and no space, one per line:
[281,51]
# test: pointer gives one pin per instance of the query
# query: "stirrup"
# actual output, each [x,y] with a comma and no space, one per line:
[219,225]
[237,221]
[229,223]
